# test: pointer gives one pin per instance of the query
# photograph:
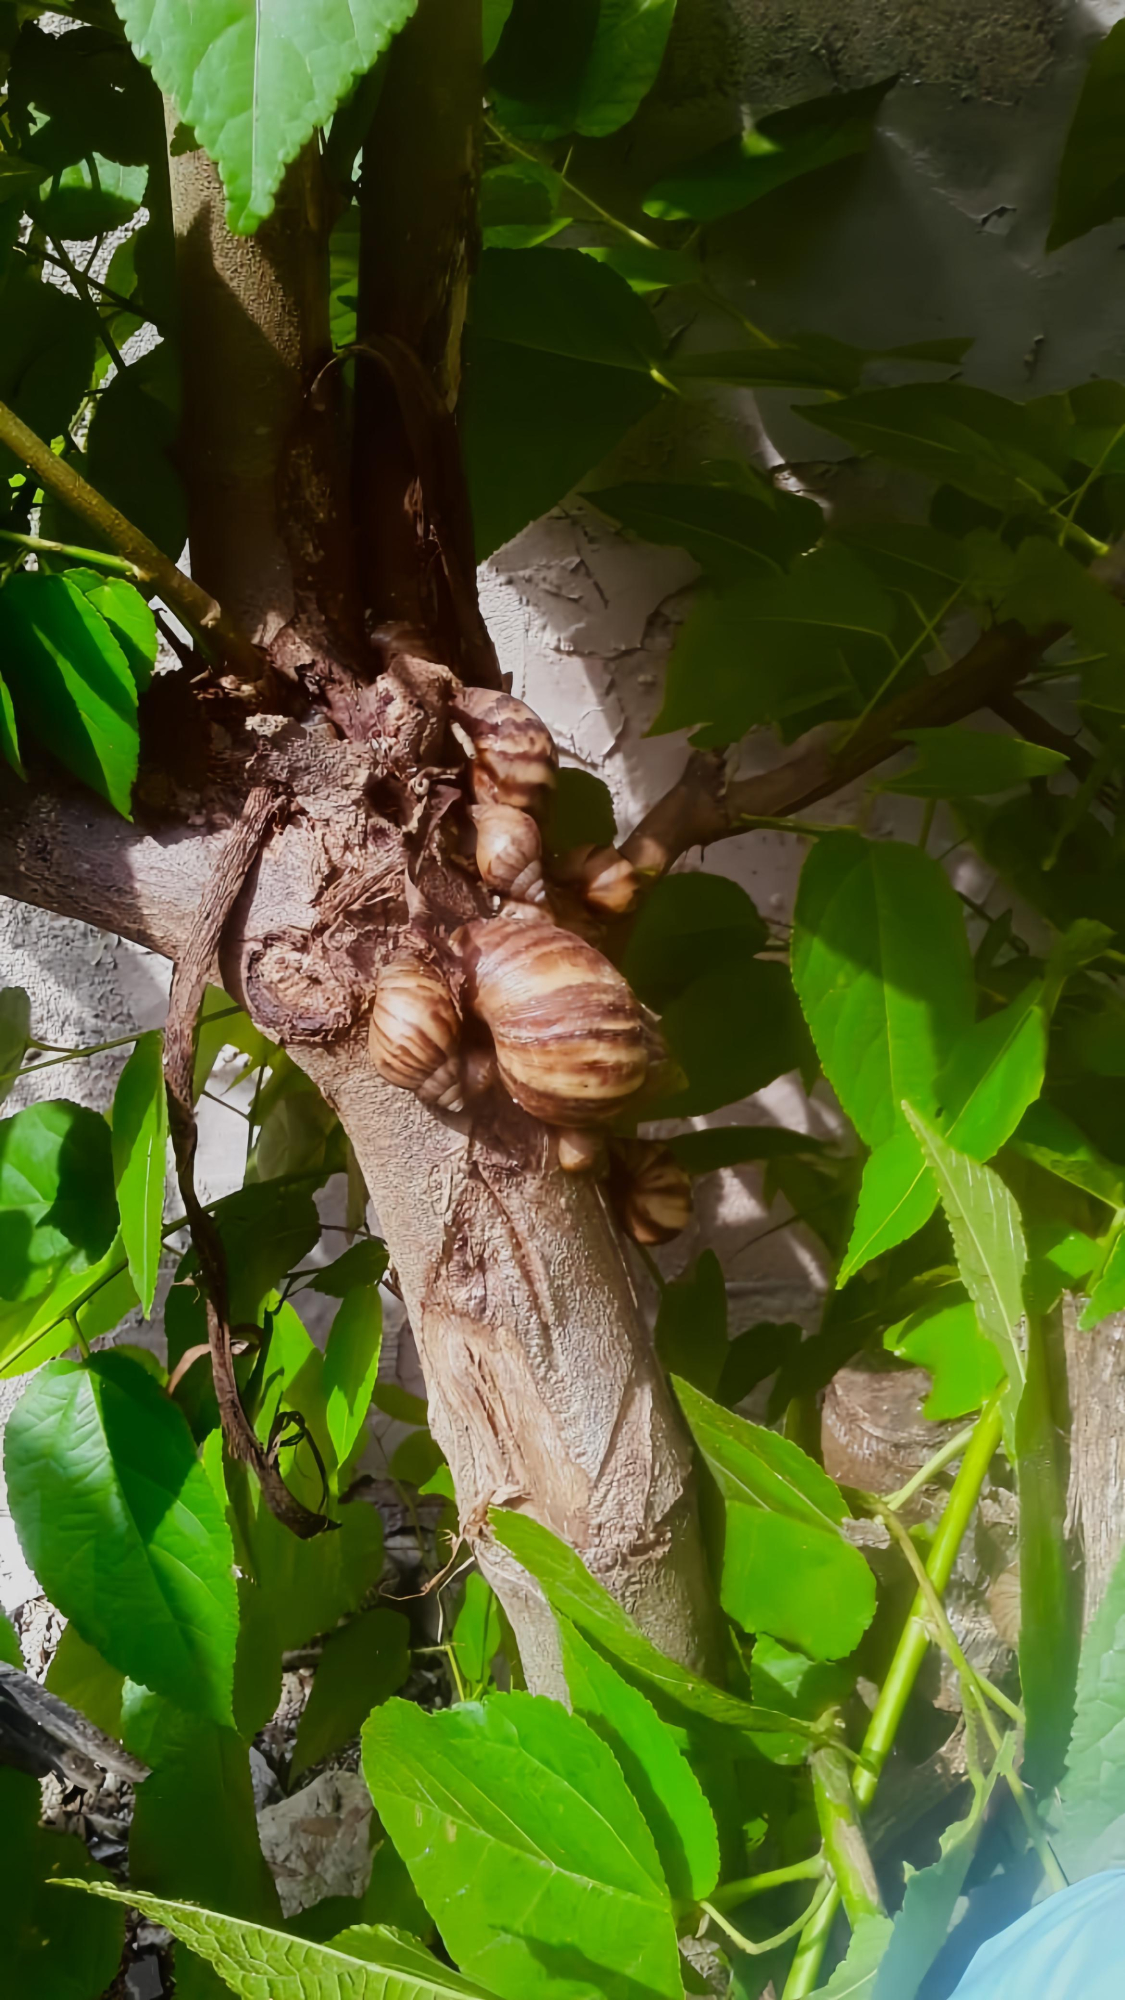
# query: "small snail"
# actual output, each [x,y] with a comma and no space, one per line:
[512,756]
[650,1192]
[602,877]
[414,1032]
[510,853]
[570,1041]
[580,1152]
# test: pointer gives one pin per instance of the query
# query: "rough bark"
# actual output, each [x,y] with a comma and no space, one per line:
[1095,1364]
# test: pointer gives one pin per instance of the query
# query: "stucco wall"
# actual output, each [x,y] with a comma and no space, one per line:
[939,231]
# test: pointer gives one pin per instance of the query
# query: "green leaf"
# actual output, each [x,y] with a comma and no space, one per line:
[646,270]
[9,1645]
[690,925]
[57,1208]
[732,1145]
[1052,1140]
[656,1772]
[559,360]
[129,618]
[799,1686]
[1091,183]
[1089,1830]
[310,1586]
[351,1363]
[919,563]
[989,1245]
[581,811]
[783,146]
[897,1196]
[140,1142]
[496,13]
[361,1665]
[267,1231]
[362,1264]
[255,81]
[787,1569]
[1108,1294]
[119,1522]
[565,66]
[46,359]
[364,1963]
[92,198]
[966,763]
[55,1943]
[944,1336]
[882,970]
[37,1329]
[731,532]
[130,455]
[691,1324]
[1049,1604]
[194,1821]
[15,1034]
[71,682]
[526,1846]
[79,1675]
[932,1894]
[948,432]
[573,1593]
[993,1075]
[477,1632]
[9,734]
[774,648]
[854,1977]
[1047,587]
[732,1032]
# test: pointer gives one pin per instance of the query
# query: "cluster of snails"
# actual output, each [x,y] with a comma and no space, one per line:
[570,1042]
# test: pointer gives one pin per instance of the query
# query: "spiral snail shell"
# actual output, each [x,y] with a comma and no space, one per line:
[512,756]
[510,853]
[570,1040]
[650,1192]
[602,877]
[414,1032]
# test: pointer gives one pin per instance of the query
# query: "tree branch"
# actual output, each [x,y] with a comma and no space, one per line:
[703,807]
[183,596]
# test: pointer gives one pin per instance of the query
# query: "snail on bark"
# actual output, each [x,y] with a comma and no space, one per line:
[601,876]
[510,853]
[512,756]
[570,1041]
[415,1030]
[650,1192]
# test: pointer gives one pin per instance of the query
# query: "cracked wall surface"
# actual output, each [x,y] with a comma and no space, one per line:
[939,231]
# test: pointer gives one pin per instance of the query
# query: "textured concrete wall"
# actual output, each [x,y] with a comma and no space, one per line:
[939,231]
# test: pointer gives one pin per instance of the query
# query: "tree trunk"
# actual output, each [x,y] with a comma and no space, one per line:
[1095,1365]
[544,1389]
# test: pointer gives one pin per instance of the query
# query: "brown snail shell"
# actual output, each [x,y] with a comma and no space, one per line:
[650,1192]
[510,853]
[602,877]
[512,756]
[414,1032]
[580,1152]
[570,1041]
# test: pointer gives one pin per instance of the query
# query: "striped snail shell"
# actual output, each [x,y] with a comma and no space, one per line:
[650,1192]
[512,756]
[570,1041]
[602,877]
[414,1032]
[510,853]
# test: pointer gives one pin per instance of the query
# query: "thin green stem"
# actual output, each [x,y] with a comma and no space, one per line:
[72,1055]
[195,606]
[951,1449]
[843,1839]
[731,1894]
[765,823]
[927,824]
[913,1645]
[757,1947]
[943,1630]
[38,545]
[79,280]
[603,214]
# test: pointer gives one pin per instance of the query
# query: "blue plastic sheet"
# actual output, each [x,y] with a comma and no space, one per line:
[1072,1947]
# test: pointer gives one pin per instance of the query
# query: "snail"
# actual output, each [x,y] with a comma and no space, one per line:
[650,1192]
[510,853]
[512,756]
[415,1030]
[570,1042]
[579,1152]
[602,877]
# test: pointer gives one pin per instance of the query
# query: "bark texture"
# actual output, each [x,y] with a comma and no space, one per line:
[1095,1364]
